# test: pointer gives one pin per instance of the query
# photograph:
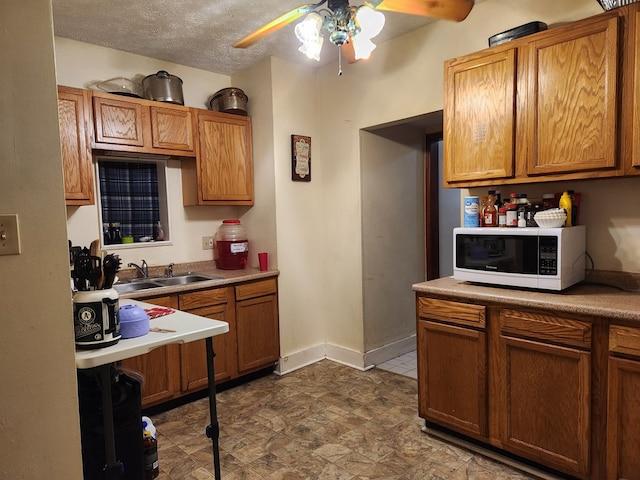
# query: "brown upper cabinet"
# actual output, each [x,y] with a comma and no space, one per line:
[142,126]
[541,108]
[215,148]
[222,172]
[74,114]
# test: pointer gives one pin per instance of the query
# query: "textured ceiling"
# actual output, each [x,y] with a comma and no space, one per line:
[198,33]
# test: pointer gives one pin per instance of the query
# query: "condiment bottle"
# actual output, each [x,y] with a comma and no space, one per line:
[521,221]
[502,217]
[512,214]
[566,204]
[490,213]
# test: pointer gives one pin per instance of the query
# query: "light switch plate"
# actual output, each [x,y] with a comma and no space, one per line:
[9,235]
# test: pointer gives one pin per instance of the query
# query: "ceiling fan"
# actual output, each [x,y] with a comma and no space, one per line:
[349,26]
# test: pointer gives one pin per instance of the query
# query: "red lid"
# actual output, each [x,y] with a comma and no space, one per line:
[231,221]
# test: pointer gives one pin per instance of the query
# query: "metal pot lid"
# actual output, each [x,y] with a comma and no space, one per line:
[231,91]
[162,75]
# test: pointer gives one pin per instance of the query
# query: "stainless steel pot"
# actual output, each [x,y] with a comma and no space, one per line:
[163,87]
[229,100]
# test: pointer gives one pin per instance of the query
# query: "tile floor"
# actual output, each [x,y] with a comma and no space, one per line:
[406,365]
[324,421]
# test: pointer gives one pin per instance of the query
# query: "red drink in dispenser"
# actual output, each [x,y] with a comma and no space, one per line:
[232,246]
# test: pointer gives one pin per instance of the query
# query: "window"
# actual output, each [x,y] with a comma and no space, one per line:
[132,200]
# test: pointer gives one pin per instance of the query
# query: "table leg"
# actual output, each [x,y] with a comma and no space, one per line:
[213,430]
[113,468]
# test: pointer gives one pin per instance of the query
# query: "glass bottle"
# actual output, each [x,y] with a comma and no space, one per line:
[490,214]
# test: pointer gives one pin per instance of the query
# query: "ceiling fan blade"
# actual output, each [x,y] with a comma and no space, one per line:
[274,25]
[456,10]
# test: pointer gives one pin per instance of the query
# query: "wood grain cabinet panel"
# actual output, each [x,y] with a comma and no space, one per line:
[142,126]
[172,128]
[160,367]
[480,117]
[74,114]
[545,403]
[119,122]
[222,173]
[452,377]
[193,355]
[257,325]
[573,93]
[623,420]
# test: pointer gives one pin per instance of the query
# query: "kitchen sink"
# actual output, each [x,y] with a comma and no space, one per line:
[145,284]
[133,286]
[183,279]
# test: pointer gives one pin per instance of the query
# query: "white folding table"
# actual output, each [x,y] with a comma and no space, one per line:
[185,327]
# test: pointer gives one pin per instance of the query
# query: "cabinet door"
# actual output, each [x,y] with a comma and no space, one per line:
[479,139]
[623,419]
[257,333]
[545,403]
[160,367]
[74,114]
[119,122]
[452,383]
[573,91]
[193,355]
[172,128]
[224,163]
[631,94]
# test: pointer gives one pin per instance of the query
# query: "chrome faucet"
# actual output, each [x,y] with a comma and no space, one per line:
[170,270]
[143,270]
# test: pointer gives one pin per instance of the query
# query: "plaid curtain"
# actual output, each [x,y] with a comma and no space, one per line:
[129,196]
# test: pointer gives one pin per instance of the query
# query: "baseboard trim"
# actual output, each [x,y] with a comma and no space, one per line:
[389,351]
[302,358]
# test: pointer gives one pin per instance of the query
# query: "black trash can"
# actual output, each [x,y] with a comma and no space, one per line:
[127,420]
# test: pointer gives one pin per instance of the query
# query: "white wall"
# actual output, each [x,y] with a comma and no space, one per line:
[39,427]
[393,245]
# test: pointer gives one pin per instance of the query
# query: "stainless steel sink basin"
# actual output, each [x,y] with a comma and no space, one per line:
[183,279]
[133,287]
[145,284]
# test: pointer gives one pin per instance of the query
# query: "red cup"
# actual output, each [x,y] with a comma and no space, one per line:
[263,259]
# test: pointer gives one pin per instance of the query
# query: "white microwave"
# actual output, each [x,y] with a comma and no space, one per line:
[529,257]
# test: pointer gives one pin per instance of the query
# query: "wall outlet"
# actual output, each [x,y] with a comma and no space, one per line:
[207,243]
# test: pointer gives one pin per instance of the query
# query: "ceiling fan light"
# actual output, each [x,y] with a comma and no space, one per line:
[362,47]
[312,48]
[308,32]
[371,21]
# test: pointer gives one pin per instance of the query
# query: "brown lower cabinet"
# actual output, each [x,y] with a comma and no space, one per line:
[252,343]
[160,367]
[623,433]
[531,383]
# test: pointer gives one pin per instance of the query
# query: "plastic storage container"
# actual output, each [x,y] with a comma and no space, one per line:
[232,246]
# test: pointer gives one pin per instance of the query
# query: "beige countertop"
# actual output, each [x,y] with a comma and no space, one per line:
[585,298]
[227,278]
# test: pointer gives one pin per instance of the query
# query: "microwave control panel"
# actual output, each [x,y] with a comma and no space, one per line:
[548,255]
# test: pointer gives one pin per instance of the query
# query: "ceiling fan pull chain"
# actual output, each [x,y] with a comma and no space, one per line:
[339,61]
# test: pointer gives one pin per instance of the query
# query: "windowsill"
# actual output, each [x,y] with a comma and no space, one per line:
[127,246]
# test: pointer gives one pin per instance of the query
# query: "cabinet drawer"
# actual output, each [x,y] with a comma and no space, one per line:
[624,340]
[204,298]
[546,327]
[452,312]
[256,289]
